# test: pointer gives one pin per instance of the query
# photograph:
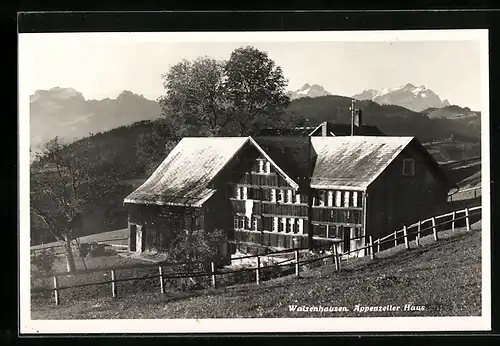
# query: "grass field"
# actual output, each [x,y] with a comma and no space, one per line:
[444,277]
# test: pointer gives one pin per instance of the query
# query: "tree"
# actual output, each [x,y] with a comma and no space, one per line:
[194,102]
[65,180]
[255,89]
[152,147]
[207,97]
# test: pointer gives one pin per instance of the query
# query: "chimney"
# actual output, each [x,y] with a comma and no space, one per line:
[324,129]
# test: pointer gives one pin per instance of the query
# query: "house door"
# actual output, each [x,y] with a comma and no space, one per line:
[346,236]
[140,242]
[132,238]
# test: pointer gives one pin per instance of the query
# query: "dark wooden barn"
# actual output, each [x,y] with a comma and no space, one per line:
[287,191]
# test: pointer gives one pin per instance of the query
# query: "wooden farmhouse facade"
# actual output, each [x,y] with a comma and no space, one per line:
[287,192]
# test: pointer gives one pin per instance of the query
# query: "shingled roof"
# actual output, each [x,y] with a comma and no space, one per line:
[183,177]
[332,129]
[343,162]
[353,161]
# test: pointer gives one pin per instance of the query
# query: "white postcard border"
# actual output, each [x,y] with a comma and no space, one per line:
[338,324]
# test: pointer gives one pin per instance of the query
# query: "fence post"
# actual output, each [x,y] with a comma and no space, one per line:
[395,238]
[453,217]
[162,287]
[372,253]
[336,257]
[257,274]
[213,274]
[419,227]
[467,219]
[378,245]
[405,235]
[434,229]
[296,262]
[56,293]
[113,284]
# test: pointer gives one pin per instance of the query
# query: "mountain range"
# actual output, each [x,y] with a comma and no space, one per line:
[64,112]
[409,96]
[308,90]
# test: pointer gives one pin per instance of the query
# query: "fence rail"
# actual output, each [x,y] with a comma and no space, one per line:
[213,273]
[475,189]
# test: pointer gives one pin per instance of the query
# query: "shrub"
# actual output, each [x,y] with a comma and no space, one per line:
[44,260]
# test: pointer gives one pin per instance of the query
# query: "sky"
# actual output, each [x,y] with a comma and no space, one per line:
[99,66]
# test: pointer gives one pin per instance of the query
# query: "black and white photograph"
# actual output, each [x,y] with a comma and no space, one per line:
[196,182]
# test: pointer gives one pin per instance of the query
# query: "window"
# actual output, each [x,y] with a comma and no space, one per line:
[238,193]
[283,225]
[244,193]
[332,231]
[355,199]
[293,227]
[275,224]
[282,196]
[289,225]
[249,222]
[409,167]
[338,198]
[322,198]
[346,199]
[273,195]
[289,196]
[268,167]
[280,225]
[330,198]
[297,198]
[236,224]
[261,166]
[320,231]
[242,222]
[255,223]
[300,226]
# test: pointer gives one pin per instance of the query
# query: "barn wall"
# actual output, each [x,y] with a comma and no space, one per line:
[394,200]
[159,224]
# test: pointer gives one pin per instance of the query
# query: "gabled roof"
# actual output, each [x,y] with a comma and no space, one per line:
[183,177]
[332,129]
[296,131]
[353,162]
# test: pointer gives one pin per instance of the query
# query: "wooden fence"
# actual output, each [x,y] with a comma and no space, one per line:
[41,247]
[372,247]
[474,192]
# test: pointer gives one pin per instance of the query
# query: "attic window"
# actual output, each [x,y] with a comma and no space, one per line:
[409,167]
[261,166]
[268,167]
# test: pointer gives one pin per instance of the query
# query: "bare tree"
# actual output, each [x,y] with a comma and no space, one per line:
[65,180]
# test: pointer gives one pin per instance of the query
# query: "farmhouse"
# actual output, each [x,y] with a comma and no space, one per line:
[287,191]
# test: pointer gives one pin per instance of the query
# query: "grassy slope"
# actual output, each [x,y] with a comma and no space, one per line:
[443,276]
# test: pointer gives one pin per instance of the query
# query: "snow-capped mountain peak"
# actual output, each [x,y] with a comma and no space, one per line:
[416,98]
[308,90]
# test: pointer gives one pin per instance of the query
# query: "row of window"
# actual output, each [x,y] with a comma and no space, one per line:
[331,198]
[273,195]
[274,224]
[337,215]
[336,231]
[264,166]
